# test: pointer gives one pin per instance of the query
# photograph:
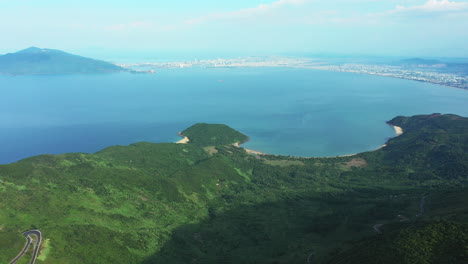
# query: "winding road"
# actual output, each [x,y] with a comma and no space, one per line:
[422,204]
[377,228]
[29,241]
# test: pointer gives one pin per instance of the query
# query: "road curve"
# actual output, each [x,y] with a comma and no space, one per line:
[377,228]
[21,254]
[422,203]
[37,246]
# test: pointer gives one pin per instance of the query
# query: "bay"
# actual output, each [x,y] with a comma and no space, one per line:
[298,112]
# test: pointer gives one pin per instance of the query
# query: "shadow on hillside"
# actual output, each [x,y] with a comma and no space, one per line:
[287,231]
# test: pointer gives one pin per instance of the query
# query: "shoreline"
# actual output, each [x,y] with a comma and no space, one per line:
[398,131]
[388,76]
[250,151]
[185,139]
[319,67]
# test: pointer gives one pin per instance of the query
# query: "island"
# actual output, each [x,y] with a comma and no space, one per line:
[209,201]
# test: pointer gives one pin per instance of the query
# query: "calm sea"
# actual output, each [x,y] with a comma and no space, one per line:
[284,111]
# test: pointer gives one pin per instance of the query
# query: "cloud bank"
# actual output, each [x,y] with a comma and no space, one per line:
[434,6]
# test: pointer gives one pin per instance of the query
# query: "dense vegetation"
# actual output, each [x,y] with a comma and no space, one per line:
[213,135]
[47,61]
[190,203]
[427,242]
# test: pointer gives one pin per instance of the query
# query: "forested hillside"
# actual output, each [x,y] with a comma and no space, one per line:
[211,202]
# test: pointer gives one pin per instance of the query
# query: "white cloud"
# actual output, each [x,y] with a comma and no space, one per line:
[434,6]
[247,12]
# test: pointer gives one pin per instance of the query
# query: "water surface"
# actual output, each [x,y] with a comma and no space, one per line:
[295,112]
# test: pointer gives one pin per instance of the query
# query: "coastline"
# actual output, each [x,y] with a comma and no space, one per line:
[323,67]
[383,75]
[185,139]
[250,151]
[398,131]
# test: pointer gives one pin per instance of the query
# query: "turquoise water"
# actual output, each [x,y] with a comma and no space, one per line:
[285,111]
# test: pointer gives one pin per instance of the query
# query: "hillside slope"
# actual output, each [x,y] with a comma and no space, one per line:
[179,203]
[48,61]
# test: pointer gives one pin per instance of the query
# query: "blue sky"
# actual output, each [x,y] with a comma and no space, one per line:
[373,27]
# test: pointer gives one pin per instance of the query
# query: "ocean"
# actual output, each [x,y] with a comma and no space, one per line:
[298,112]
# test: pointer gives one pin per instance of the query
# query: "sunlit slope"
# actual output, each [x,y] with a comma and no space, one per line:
[186,203]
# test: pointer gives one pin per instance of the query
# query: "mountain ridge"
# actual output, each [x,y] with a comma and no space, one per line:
[34,60]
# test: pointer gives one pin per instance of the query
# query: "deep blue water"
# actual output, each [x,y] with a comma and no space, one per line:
[285,111]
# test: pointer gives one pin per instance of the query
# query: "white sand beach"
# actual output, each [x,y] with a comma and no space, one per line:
[185,139]
[398,130]
[254,152]
[250,151]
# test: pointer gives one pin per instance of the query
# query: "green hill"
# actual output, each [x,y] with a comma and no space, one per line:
[437,144]
[48,61]
[181,203]
[213,135]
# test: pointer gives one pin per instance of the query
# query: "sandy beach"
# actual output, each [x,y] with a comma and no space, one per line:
[398,130]
[250,151]
[255,152]
[185,139]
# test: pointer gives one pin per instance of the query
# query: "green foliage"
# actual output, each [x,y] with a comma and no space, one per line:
[213,135]
[437,142]
[176,203]
[422,243]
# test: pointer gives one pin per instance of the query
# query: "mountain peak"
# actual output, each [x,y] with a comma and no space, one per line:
[30,50]
[421,61]
[36,60]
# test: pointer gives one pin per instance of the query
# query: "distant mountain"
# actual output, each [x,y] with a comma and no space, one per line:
[418,61]
[48,61]
[458,67]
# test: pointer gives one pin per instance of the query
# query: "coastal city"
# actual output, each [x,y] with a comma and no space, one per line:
[416,74]
[422,74]
[272,61]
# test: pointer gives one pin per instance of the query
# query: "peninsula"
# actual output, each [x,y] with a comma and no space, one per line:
[208,201]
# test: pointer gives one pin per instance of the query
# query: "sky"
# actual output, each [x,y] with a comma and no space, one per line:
[433,28]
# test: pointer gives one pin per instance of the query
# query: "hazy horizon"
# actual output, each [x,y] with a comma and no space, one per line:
[137,56]
[414,28]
